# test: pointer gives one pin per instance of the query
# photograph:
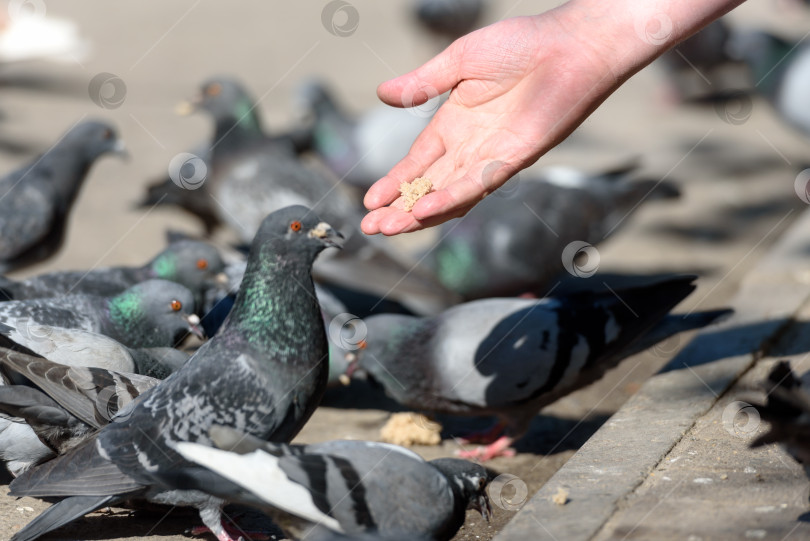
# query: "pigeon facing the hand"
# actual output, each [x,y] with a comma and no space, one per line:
[350,487]
[155,313]
[511,357]
[35,200]
[264,373]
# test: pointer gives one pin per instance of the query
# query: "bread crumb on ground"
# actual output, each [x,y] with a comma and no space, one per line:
[561,497]
[414,191]
[411,429]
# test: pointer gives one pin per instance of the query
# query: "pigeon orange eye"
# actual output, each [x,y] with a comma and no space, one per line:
[108,134]
[362,344]
[295,226]
[202,264]
[176,305]
[214,89]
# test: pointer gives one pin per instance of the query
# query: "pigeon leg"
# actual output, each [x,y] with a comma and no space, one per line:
[500,447]
[487,436]
[228,533]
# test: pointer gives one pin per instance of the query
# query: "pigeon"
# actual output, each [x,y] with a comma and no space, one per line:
[194,264]
[788,411]
[780,71]
[359,150]
[154,313]
[510,357]
[35,200]
[80,348]
[514,241]
[56,407]
[264,373]
[237,127]
[351,487]
[251,176]
[697,66]
[449,19]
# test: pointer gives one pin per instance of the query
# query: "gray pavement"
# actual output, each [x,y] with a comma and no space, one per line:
[673,462]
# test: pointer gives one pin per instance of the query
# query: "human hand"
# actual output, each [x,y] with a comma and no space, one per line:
[519,87]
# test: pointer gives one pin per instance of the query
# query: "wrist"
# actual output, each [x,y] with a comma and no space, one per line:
[626,35]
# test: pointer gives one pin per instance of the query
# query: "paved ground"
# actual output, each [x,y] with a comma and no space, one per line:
[737,181]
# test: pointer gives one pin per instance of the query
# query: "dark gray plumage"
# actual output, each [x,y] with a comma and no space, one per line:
[154,313]
[194,264]
[56,407]
[513,241]
[351,487]
[238,125]
[449,19]
[263,373]
[511,357]
[362,149]
[35,200]
[787,409]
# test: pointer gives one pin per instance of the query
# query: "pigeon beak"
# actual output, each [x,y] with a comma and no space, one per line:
[120,149]
[327,234]
[187,107]
[482,506]
[222,280]
[194,328]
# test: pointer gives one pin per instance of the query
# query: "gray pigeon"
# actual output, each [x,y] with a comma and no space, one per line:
[57,406]
[513,242]
[264,373]
[358,150]
[238,125]
[251,176]
[194,264]
[350,487]
[154,313]
[449,19]
[35,200]
[788,411]
[80,348]
[511,357]
[780,71]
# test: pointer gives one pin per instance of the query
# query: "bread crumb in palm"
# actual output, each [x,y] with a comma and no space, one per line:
[414,191]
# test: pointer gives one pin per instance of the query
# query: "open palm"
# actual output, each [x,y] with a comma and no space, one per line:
[518,88]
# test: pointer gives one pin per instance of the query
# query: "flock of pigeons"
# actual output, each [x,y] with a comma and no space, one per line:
[101,406]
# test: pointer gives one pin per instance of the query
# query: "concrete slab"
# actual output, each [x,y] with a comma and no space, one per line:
[622,482]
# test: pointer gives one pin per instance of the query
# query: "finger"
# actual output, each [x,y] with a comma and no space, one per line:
[435,77]
[463,193]
[427,148]
[372,223]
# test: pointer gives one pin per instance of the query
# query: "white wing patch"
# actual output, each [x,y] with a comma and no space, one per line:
[259,473]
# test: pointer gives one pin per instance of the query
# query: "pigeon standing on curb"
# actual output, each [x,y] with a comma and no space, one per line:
[511,357]
[35,200]
[264,374]
[350,487]
[155,313]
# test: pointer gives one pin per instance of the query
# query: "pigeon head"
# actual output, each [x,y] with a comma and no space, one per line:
[226,101]
[154,313]
[468,481]
[314,96]
[294,230]
[194,264]
[90,140]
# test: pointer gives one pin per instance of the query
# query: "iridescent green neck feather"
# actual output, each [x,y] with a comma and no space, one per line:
[165,266]
[125,310]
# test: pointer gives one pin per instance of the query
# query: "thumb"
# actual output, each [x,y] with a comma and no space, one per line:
[433,78]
